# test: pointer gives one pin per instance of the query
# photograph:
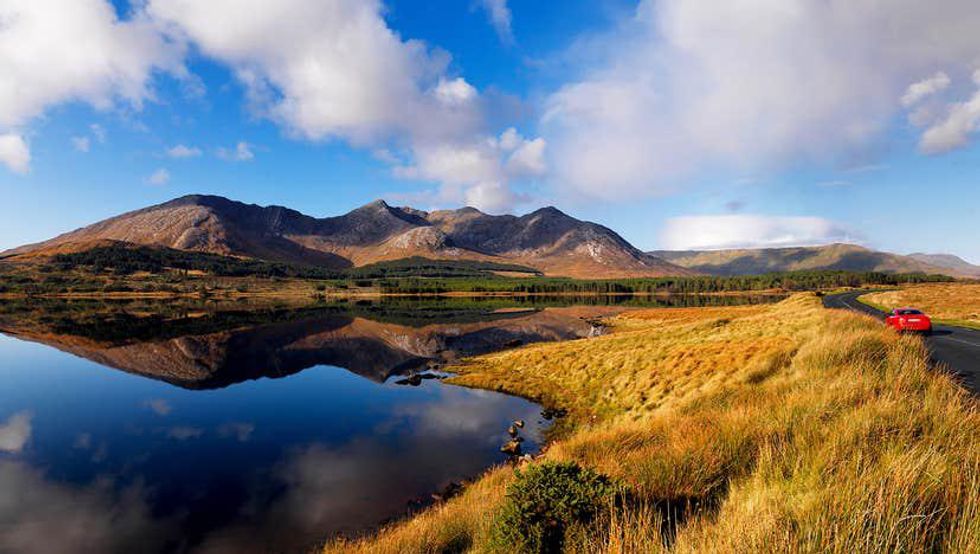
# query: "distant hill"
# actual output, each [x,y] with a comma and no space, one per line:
[847,257]
[948,261]
[546,239]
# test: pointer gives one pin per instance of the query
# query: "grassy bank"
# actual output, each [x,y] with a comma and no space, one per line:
[951,303]
[762,428]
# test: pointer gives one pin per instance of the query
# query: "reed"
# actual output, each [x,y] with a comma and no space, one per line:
[783,428]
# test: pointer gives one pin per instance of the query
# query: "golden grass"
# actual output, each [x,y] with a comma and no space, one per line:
[957,303]
[784,428]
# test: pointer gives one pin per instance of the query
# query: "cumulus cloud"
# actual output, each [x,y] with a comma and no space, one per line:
[477,173]
[180,151]
[81,144]
[15,432]
[344,74]
[924,88]
[953,129]
[528,159]
[708,232]
[455,92]
[242,152]
[14,153]
[159,177]
[75,50]
[748,86]
[98,132]
[500,17]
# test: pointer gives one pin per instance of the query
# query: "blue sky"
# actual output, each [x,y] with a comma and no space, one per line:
[676,124]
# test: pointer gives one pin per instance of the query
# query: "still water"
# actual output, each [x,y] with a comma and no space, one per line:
[135,427]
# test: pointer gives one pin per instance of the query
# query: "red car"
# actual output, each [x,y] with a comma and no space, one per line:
[909,319]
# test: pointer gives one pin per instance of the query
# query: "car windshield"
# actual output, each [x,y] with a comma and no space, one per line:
[908,312]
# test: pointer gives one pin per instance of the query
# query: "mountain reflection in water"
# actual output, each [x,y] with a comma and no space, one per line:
[109,461]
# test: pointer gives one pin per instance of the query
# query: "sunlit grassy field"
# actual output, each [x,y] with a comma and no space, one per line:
[783,428]
[957,303]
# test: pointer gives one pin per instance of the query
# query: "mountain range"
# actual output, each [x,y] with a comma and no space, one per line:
[547,240]
[848,257]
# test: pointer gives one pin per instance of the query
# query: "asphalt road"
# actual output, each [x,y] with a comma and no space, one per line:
[955,347]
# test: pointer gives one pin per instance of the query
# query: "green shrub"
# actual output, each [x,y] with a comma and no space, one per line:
[546,500]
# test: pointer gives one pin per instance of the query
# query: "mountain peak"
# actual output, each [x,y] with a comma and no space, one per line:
[549,210]
[377,204]
[195,199]
[546,239]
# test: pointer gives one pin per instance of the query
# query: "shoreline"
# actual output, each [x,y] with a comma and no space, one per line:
[333,295]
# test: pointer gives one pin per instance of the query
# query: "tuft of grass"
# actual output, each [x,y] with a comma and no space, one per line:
[952,303]
[783,428]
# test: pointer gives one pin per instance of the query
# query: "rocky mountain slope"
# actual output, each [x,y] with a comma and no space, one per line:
[848,257]
[546,239]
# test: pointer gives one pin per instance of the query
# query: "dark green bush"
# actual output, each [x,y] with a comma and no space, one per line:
[546,500]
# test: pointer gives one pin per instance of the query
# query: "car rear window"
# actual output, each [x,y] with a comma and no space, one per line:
[908,312]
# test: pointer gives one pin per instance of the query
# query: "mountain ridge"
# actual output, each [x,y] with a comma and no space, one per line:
[835,256]
[546,239]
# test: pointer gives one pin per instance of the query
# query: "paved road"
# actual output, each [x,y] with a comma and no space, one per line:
[956,347]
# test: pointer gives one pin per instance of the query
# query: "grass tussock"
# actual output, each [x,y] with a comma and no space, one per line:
[785,428]
[955,303]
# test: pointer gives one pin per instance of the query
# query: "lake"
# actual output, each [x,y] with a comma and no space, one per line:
[192,426]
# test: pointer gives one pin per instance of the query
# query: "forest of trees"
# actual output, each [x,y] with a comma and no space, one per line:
[424,276]
[789,281]
[126,260]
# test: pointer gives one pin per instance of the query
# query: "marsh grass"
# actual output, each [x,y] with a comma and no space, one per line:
[954,303]
[785,428]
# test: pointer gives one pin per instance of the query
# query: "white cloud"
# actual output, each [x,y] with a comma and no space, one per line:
[159,177]
[749,231]
[14,153]
[15,432]
[342,73]
[61,50]
[528,159]
[75,50]
[478,172]
[510,140]
[183,151]
[345,74]
[925,88]
[501,17]
[81,144]
[455,92]
[747,86]
[98,132]
[953,130]
[242,152]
